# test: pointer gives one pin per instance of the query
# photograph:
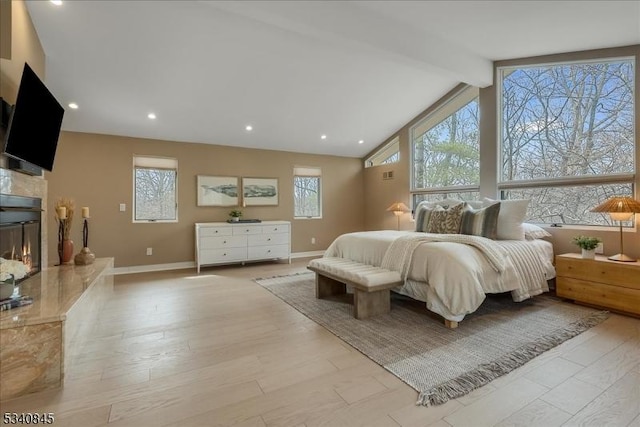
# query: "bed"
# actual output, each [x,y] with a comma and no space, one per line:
[453,273]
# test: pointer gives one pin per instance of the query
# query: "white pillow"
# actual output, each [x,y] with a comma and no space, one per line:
[511,217]
[532,232]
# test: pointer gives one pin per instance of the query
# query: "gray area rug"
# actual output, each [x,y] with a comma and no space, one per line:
[441,363]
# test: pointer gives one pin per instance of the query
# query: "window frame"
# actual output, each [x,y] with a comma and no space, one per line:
[310,172]
[454,102]
[503,185]
[388,150]
[150,160]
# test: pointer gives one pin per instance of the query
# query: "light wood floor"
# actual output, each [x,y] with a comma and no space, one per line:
[178,349]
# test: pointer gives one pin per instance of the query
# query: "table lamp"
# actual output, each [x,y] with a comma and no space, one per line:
[620,209]
[398,208]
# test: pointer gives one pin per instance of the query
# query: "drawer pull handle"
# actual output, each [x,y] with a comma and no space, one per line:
[269,251]
[224,254]
[224,241]
[247,231]
[216,231]
[269,239]
[276,229]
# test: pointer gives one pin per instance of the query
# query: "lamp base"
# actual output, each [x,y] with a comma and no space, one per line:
[621,258]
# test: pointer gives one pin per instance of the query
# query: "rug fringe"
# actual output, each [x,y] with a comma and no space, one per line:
[490,371]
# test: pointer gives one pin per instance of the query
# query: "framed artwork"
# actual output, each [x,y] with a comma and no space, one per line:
[260,191]
[217,190]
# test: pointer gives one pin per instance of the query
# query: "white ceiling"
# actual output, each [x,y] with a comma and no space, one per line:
[294,70]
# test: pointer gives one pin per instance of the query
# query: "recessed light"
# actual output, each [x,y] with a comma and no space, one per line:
[152,116]
[323,136]
[73,105]
[248,128]
[361,141]
[57,2]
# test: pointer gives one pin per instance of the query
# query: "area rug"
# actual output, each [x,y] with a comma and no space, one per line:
[441,363]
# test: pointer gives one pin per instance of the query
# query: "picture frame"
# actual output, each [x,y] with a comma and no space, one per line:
[260,191]
[217,190]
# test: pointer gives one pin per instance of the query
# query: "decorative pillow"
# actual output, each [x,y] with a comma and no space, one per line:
[446,221]
[532,231]
[481,222]
[511,217]
[423,213]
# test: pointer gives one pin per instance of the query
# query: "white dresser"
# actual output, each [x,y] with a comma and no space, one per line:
[226,243]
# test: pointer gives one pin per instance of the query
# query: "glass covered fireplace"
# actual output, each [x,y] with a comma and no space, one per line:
[20,230]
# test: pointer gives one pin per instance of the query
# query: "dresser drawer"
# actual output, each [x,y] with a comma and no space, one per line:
[602,271]
[268,239]
[267,252]
[215,256]
[223,242]
[247,229]
[614,297]
[215,231]
[280,228]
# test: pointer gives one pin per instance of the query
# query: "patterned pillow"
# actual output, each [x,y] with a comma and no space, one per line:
[423,213]
[480,222]
[446,221]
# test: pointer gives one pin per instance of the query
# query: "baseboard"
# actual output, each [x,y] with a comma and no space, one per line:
[190,264]
[307,254]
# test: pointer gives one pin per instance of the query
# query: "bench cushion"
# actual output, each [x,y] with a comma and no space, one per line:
[367,277]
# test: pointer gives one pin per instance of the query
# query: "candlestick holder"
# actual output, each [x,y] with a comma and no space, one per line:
[85,256]
[60,239]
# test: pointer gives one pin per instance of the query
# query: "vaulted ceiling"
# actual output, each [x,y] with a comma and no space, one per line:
[294,70]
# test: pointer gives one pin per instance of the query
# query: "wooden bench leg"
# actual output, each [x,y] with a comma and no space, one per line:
[326,286]
[366,304]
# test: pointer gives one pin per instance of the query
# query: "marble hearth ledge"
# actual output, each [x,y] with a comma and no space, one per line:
[54,291]
[37,341]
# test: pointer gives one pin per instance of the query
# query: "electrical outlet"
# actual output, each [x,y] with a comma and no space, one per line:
[149,251]
[123,207]
[313,240]
[600,248]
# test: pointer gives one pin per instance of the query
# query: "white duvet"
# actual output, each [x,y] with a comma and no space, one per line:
[453,278]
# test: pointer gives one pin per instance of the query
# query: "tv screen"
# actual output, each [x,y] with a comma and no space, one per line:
[34,126]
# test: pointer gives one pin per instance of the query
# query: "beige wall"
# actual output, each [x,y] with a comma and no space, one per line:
[25,47]
[380,194]
[96,171]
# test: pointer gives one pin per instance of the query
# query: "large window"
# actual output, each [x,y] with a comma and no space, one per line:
[445,150]
[307,195]
[567,137]
[155,189]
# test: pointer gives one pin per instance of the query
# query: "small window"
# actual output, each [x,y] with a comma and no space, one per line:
[388,154]
[307,192]
[155,184]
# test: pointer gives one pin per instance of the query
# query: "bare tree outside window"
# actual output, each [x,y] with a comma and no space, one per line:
[155,194]
[306,193]
[567,133]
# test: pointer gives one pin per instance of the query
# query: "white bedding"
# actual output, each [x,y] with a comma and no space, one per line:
[453,278]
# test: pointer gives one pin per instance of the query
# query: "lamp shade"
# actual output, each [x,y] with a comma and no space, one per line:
[618,205]
[398,208]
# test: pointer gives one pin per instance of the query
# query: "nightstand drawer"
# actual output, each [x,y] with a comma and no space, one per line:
[589,292]
[620,274]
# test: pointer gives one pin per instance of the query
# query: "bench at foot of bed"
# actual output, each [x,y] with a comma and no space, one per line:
[371,285]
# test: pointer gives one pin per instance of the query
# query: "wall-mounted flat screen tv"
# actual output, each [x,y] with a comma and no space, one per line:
[34,125]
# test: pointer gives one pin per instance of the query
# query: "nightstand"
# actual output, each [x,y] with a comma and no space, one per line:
[601,282]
